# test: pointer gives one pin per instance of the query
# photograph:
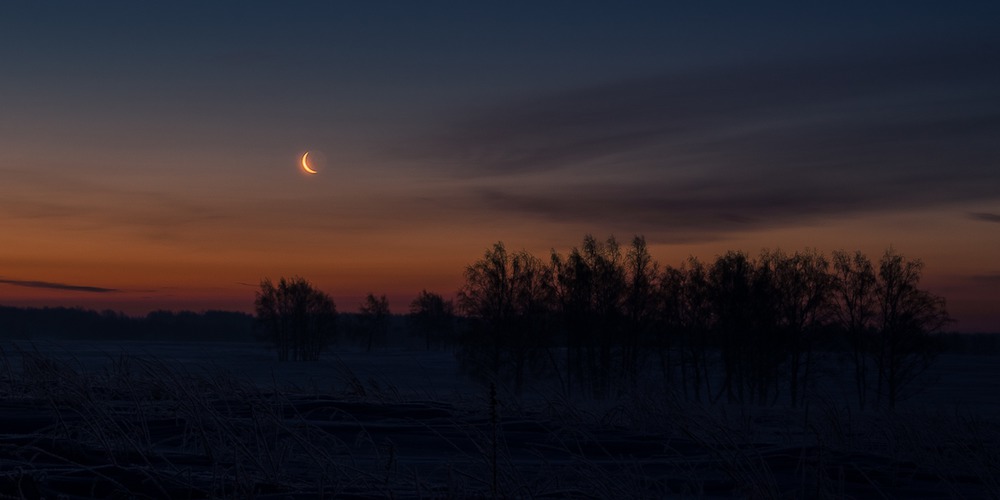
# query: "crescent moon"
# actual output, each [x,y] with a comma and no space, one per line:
[305,164]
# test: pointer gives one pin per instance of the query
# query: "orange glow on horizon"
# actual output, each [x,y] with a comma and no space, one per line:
[198,245]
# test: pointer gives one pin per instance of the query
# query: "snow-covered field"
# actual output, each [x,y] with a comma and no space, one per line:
[205,420]
[410,372]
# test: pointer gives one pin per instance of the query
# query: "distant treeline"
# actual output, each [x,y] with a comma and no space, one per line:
[971,343]
[62,323]
[82,324]
[74,324]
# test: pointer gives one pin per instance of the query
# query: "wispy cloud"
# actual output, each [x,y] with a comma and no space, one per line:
[846,107]
[80,204]
[985,279]
[985,216]
[58,286]
[742,147]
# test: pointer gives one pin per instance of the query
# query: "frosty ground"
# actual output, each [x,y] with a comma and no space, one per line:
[207,420]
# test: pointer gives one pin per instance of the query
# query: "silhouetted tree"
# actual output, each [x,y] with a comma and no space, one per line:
[609,294]
[908,316]
[298,319]
[767,344]
[687,313]
[374,320]
[486,297]
[591,286]
[731,287]
[431,317]
[889,321]
[505,294]
[854,304]
[802,287]
[640,306]
[573,282]
[533,302]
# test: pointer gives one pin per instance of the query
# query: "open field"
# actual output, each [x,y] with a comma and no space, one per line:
[210,420]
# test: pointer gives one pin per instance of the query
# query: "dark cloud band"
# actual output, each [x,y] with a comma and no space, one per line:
[743,147]
[58,286]
[985,216]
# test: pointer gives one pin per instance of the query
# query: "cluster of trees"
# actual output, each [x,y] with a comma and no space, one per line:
[747,329]
[432,318]
[598,317]
[300,321]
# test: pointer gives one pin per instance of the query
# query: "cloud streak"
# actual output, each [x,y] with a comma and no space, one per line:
[985,216]
[742,147]
[58,286]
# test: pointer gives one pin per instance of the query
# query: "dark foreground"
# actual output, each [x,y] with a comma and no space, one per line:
[142,427]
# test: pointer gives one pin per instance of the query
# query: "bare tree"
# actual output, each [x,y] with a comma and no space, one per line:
[908,316]
[605,259]
[591,287]
[298,319]
[854,305]
[374,318]
[802,286]
[431,317]
[487,298]
[530,340]
[640,306]
[687,314]
[889,321]
[731,286]
[573,284]
[508,297]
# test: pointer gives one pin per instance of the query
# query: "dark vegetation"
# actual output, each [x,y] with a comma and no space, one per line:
[432,318]
[598,318]
[148,428]
[701,380]
[298,319]
[601,318]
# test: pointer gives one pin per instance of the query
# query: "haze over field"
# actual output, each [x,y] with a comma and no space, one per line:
[149,154]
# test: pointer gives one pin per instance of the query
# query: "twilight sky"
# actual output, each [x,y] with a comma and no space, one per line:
[148,152]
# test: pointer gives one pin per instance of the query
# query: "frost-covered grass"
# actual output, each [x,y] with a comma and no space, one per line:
[224,421]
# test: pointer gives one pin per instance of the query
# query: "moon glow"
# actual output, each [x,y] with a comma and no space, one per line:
[305,164]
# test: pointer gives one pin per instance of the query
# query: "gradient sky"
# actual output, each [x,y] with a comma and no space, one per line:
[148,152]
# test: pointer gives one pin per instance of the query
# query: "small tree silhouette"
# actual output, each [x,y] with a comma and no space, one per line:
[854,306]
[641,306]
[374,318]
[904,348]
[732,292]
[802,287]
[486,297]
[296,317]
[686,314]
[431,317]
